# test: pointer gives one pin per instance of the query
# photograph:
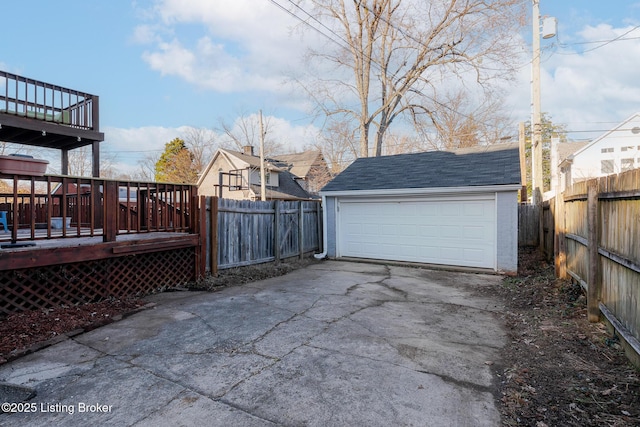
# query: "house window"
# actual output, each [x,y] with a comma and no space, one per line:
[607,150]
[267,178]
[627,148]
[606,166]
[627,164]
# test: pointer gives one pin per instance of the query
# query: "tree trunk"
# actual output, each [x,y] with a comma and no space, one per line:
[364,139]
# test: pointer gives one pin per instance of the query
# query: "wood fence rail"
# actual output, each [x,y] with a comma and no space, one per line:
[242,232]
[597,235]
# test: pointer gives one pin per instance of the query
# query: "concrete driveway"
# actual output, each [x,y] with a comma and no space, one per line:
[333,344]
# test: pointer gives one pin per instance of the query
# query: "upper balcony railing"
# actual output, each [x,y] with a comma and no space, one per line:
[25,97]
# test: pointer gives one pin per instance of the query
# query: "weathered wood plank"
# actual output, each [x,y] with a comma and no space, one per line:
[250,232]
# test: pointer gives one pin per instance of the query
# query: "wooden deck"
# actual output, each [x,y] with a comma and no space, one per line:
[123,238]
[40,253]
[68,271]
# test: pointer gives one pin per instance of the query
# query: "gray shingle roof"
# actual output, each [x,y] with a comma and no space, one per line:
[287,189]
[487,165]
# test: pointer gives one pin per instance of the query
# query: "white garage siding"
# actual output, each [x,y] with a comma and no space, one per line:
[459,231]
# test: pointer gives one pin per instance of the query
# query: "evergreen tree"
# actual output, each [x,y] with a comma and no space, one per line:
[549,130]
[176,164]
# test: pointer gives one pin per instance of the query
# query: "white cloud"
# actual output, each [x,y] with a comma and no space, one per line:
[591,86]
[238,46]
[130,146]
[293,138]
[144,34]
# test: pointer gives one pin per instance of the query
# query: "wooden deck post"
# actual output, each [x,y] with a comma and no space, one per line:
[593,280]
[64,161]
[95,156]
[110,211]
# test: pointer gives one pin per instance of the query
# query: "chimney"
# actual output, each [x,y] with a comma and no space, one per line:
[248,150]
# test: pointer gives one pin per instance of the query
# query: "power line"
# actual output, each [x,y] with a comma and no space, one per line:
[372,60]
[599,41]
[604,43]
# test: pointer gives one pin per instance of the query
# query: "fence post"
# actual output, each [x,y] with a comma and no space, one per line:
[276,231]
[301,229]
[594,282]
[560,251]
[202,237]
[213,236]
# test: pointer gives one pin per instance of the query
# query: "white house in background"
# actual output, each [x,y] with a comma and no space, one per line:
[616,151]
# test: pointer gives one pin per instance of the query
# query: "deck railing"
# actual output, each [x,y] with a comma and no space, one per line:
[51,206]
[22,96]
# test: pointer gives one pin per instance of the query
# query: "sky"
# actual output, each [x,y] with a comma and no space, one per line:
[161,66]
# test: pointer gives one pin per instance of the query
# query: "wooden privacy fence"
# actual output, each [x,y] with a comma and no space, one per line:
[243,232]
[597,243]
[529,227]
[528,221]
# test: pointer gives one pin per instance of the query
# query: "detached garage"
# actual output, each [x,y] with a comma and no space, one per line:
[454,208]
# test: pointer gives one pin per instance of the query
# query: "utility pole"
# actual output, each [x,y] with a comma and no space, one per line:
[523,163]
[537,183]
[263,184]
[536,125]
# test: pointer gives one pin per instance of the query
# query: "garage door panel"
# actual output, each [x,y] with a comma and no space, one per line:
[453,232]
[428,231]
[449,209]
[475,232]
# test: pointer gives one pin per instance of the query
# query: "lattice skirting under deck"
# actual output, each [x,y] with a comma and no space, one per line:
[78,283]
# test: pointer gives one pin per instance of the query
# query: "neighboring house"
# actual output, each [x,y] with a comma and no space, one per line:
[309,169]
[616,151]
[235,175]
[456,208]
[560,151]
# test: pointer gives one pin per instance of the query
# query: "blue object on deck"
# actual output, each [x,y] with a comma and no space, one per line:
[3,220]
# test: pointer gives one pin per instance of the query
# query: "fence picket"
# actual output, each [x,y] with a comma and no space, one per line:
[256,232]
[597,225]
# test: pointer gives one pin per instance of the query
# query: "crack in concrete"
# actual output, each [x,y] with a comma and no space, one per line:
[446,378]
[271,361]
[460,383]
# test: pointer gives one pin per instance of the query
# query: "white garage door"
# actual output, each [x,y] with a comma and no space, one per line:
[449,231]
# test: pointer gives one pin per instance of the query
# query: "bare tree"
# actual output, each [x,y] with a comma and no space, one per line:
[399,53]
[147,167]
[202,143]
[337,144]
[81,160]
[245,131]
[400,144]
[465,122]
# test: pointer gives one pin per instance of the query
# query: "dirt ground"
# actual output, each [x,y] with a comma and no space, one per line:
[557,370]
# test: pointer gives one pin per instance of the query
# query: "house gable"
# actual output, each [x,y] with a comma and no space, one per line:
[309,168]
[241,178]
[615,151]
